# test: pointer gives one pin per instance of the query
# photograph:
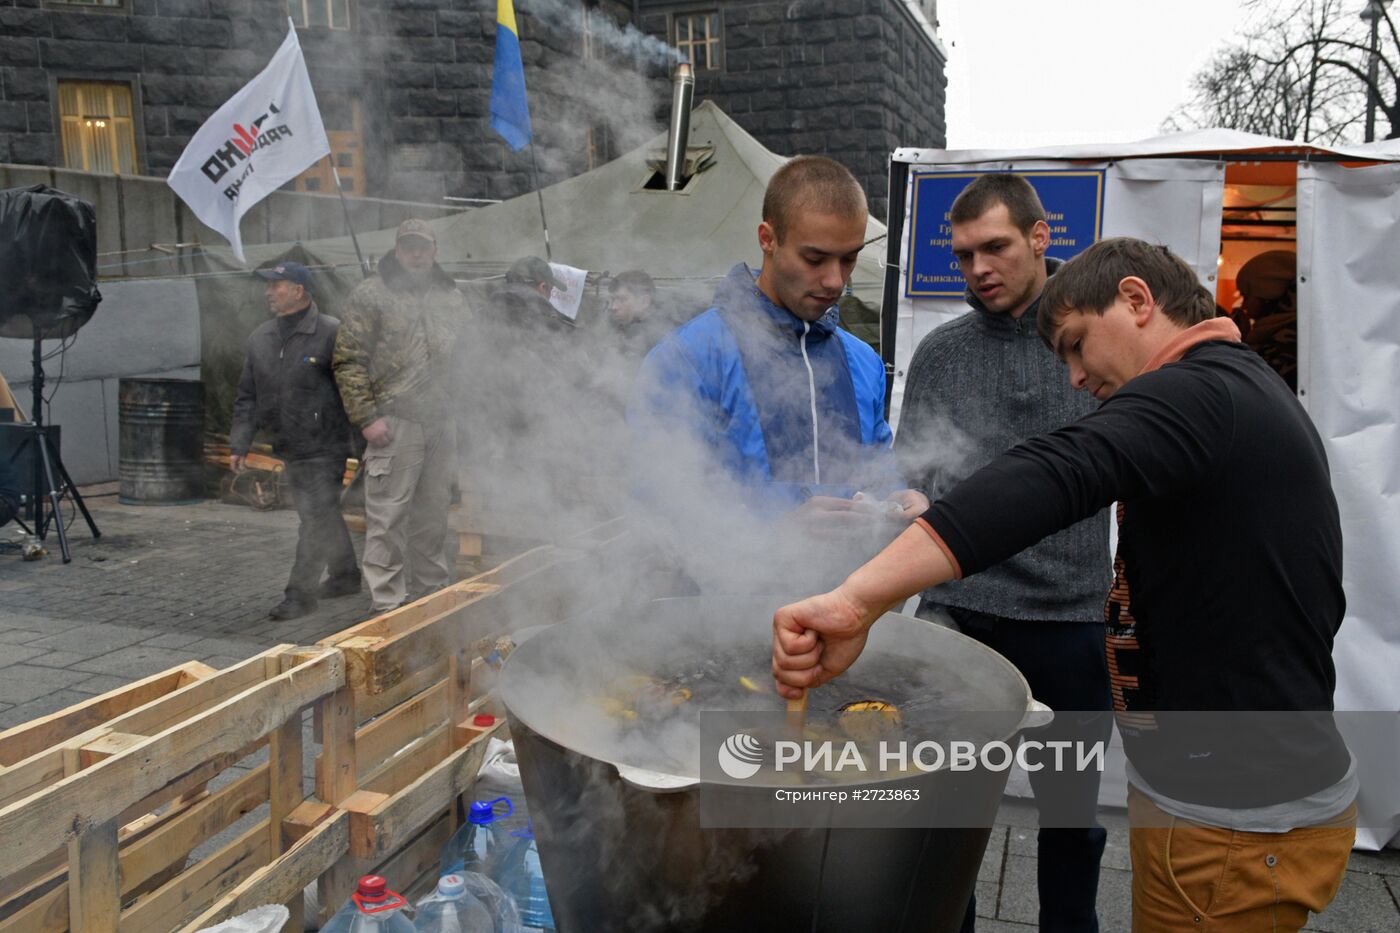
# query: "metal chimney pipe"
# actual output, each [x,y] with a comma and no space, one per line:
[682,93]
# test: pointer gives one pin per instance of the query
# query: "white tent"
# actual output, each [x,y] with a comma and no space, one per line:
[1172,190]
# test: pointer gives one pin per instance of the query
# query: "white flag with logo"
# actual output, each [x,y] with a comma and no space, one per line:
[267,134]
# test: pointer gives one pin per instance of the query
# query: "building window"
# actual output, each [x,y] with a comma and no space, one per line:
[346,136]
[97,130]
[326,14]
[588,53]
[599,146]
[696,37]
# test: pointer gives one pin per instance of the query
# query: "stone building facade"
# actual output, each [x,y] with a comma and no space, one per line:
[851,79]
[404,85]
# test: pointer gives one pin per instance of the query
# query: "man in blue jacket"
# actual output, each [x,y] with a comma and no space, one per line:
[764,398]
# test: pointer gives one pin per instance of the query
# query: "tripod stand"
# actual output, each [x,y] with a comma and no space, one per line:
[49,469]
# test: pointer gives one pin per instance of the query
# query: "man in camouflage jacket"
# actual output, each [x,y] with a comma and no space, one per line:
[392,361]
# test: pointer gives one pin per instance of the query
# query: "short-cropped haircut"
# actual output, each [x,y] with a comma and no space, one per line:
[811,183]
[987,191]
[633,280]
[1089,283]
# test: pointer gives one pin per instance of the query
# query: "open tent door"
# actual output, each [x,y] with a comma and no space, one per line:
[1349,355]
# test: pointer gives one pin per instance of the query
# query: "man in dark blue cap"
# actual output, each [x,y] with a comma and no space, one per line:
[288,391]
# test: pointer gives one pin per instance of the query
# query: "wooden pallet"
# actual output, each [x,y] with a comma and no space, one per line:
[44,751]
[418,678]
[406,809]
[417,683]
[112,796]
[30,752]
[541,586]
[384,801]
[123,823]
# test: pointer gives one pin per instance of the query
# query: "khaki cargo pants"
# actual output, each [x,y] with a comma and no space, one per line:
[1187,876]
[408,484]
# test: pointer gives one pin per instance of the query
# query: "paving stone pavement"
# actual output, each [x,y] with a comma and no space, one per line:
[1368,902]
[165,585]
[162,586]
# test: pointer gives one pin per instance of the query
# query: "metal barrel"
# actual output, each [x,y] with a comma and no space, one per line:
[161,452]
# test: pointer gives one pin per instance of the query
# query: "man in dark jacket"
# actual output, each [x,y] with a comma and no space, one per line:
[634,322]
[287,390]
[523,303]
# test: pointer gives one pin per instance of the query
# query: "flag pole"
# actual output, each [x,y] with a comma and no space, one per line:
[539,192]
[364,269]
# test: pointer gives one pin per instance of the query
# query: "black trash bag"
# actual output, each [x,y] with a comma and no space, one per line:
[48,263]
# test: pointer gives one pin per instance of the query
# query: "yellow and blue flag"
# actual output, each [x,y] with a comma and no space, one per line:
[510,113]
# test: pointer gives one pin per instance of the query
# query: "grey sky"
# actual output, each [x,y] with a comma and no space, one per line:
[1039,72]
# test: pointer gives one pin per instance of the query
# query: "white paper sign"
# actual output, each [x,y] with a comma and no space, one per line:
[567,302]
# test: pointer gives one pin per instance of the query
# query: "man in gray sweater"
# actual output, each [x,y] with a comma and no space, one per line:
[977,386]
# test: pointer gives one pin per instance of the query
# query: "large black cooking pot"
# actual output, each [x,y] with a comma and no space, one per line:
[616,802]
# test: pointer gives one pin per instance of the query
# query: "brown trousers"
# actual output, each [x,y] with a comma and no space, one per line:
[1187,876]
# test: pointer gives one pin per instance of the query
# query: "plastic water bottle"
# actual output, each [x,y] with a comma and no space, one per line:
[497,902]
[473,845]
[451,909]
[519,872]
[373,908]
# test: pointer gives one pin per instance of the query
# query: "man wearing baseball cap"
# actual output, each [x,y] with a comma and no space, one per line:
[288,391]
[522,307]
[534,272]
[393,363]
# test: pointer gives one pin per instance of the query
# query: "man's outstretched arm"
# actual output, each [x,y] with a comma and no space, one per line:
[818,638]
[1160,435]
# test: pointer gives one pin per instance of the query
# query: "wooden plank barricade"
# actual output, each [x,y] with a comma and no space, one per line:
[418,681]
[136,802]
[108,800]
[39,753]
[42,752]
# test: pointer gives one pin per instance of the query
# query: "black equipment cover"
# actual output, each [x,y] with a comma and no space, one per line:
[48,263]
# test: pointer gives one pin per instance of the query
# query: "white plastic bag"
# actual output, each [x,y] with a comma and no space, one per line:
[266,919]
[500,777]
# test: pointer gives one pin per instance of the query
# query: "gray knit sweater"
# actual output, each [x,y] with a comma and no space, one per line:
[977,386]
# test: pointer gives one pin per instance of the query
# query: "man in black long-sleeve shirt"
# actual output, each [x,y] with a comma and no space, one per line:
[1227,587]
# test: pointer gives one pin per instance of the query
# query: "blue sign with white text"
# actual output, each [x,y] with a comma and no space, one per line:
[1073,203]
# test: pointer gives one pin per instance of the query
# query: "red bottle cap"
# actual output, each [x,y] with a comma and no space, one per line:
[482,720]
[372,896]
[372,888]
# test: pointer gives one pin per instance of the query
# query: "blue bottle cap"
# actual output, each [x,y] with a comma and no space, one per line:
[453,886]
[484,811]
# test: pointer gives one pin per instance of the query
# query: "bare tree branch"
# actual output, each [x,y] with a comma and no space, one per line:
[1317,45]
[1300,73]
[1390,24]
